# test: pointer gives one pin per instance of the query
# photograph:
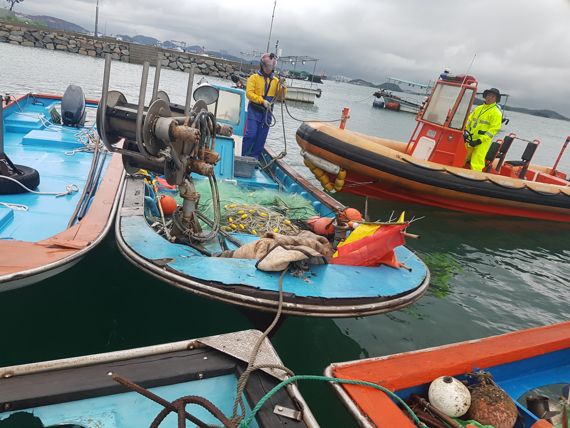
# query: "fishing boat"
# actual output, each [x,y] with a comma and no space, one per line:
[386,99]
[196,243]
[430,168]
[189,381]
[59,189]
[529,365]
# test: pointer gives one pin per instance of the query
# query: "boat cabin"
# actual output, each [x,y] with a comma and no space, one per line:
[438,136]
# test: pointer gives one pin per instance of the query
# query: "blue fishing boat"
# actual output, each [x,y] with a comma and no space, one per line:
[152,386]
[59,187]
[198,242]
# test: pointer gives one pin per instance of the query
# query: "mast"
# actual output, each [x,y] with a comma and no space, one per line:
[270,27]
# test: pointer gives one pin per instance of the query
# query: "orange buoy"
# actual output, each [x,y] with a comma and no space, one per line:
[352,214]
[321,225]
[168,204]
[392,105]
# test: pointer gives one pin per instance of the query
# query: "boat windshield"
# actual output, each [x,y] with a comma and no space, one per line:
[229,104]
[462,110]
[441,103]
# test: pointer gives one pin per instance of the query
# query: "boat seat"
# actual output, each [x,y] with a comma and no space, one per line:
[492,154]
[64,138]
[525,158]
[503,150]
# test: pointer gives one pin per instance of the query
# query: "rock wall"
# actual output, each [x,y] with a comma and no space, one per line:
[25,35]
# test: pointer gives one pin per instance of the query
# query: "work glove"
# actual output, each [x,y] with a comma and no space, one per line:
[266,104]
[474,143]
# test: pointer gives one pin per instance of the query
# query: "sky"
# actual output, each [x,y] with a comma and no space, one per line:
[521,47]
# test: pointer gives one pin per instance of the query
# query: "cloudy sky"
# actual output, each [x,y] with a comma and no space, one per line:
[521,47]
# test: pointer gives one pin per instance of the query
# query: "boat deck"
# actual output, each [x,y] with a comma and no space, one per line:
[30,140]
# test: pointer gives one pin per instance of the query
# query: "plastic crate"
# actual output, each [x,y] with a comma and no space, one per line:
[244,166]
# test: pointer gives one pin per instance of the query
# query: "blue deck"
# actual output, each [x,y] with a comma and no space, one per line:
[133,410]
[31,141]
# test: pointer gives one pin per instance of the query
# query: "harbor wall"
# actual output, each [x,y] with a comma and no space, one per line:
[82,44]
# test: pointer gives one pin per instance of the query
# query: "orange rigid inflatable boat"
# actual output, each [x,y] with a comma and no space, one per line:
[429,169]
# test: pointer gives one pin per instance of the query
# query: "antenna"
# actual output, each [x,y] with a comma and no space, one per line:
[270,27]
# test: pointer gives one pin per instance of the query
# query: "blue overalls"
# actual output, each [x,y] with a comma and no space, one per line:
[257,124]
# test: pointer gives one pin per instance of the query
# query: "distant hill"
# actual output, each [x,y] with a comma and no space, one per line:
[54,23]
[551,114]
[143,40]
[387,86]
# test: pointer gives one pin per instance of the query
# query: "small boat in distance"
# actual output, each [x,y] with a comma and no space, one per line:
[389,101]
[529,365]
[144,387]
[59,187]
[198,242]
[430,168]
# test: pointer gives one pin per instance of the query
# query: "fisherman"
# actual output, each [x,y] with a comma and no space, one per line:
[261,90]
[482,125]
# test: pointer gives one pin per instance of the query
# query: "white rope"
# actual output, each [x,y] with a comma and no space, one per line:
[15,207]
[70,188]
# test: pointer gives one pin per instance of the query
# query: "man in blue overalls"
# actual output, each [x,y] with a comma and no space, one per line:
[261,89]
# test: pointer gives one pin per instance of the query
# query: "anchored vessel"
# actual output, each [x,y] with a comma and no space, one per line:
[58,186]
[183,246]
[193,380]
[429,168]
[526,364]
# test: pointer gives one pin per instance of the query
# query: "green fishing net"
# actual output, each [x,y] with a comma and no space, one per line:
[254,211]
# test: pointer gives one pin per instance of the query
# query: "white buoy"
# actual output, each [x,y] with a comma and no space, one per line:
[450,396]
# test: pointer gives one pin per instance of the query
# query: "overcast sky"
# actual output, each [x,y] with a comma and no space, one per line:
[521,47]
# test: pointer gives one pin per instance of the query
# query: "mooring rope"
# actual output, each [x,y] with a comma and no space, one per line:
[70,188]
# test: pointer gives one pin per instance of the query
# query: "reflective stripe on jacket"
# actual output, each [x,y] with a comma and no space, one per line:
[260,87]
[484,122]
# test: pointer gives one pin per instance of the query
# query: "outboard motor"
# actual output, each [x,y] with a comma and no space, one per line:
[73,106]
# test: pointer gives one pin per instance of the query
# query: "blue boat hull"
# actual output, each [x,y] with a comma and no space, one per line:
[324,291]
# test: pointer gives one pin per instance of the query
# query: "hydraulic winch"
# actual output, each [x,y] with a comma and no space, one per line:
[167,139]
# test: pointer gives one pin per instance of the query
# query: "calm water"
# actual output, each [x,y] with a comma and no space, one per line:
[490,275]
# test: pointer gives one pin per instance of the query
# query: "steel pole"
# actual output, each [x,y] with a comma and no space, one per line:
[189,91]
[1,125]
[271,27]
[96,18]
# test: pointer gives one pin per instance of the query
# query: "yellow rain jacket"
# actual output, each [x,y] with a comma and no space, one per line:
[483,123]
[260,87]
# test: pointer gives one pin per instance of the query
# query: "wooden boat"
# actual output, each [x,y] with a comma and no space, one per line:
[189,263]
[106,390]
[519,362]
[429,168]
[41,233]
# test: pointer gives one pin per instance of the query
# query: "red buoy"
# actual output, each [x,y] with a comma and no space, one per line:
[352,214]
[392,105]
[168,204]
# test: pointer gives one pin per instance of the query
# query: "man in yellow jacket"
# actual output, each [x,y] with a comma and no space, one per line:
[482,125]
[261,90]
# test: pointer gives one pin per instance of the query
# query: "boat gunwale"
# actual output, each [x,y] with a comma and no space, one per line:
[25,277]
[351,307]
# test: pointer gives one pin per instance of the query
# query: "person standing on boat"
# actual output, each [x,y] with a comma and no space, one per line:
[482,125]
[261,90]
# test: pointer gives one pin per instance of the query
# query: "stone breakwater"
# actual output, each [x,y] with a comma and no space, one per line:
[82,44]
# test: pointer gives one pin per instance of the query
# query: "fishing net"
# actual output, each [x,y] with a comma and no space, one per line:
[254,211]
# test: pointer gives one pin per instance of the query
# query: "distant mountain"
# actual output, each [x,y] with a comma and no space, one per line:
[533,112]
[143,40]
[54,23]
[361,82]
[390,87]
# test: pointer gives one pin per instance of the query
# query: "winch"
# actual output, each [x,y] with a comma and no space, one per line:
[167,139]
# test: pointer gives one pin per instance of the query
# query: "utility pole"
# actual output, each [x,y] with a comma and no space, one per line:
[271,26]
[96,18]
